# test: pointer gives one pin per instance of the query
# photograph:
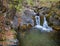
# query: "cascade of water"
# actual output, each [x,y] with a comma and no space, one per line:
[45,24]
[38,26]
[37,20]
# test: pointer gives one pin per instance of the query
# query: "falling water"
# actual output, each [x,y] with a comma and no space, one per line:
[38,26]
[37,20]
[45,26]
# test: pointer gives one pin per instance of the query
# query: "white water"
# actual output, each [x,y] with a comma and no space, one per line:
[37,20]
[45,26]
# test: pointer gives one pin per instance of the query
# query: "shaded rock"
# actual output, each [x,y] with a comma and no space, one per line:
[55,19]
[44,10]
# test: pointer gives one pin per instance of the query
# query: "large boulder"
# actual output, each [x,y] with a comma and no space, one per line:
[27,17]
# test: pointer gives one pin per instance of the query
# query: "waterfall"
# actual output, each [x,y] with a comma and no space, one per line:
[38,26]
[37,20]
[45,26]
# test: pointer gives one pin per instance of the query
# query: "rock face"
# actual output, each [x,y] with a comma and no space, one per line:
[27,17]
[44,10]
[55,19]
[15,22]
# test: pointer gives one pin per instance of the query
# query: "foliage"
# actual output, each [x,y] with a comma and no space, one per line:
[30,2]
[15,4]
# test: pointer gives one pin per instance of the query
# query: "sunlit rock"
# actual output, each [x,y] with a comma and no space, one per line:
[29,26]
[23,27]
